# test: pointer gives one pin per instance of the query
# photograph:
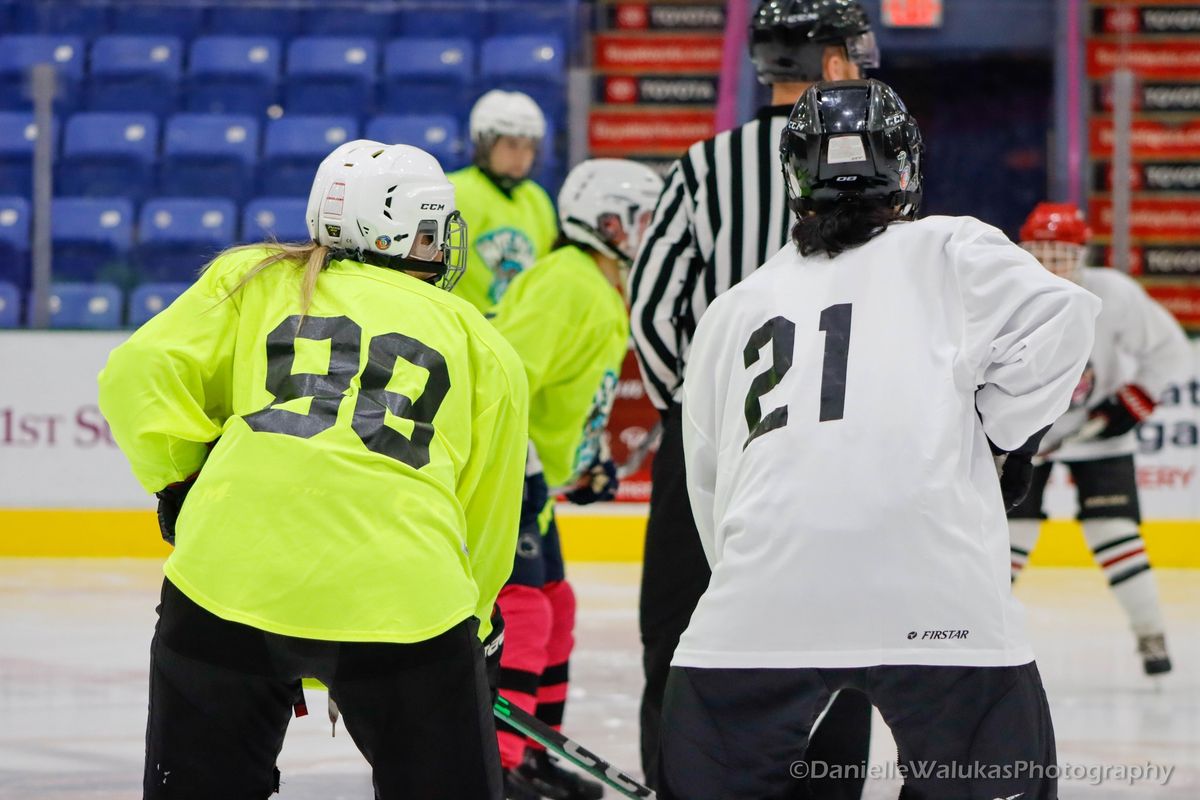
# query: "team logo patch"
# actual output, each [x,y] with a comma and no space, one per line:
[597,420]
[507,252]
[334,230]
[383,242]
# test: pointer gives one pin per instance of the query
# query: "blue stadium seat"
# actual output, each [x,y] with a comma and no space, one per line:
[545,19]
[92,238]
[7,11]
[108,154]
[135,73]
[184,18]
[212,155]
[459,19]
[293,147]
[10,305]
[280,218]
[375,19]
[19,53]
[329,74]
[95,306]
[14,241]
[438,135]
[540,59]
[61,16]
[430,76]
[179,235]
[233,74]
[150,298]
[277,19]
[18,135]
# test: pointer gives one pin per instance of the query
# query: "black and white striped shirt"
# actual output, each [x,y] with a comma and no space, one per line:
[722,214]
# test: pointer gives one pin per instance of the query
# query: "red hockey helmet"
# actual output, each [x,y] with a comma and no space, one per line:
[1056,234]
[1056,222]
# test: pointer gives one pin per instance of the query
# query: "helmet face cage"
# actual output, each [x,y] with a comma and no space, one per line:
[453,250]
[863,50]
[1064,259]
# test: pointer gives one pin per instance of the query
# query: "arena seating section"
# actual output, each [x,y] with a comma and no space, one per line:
[184,127]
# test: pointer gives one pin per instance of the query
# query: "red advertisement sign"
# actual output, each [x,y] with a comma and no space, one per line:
[622,133]
[1151,138]
[642,16]
[1151,218]
[1157,19]
[652,52]
[631,434]
[1181,299]
[1176,59]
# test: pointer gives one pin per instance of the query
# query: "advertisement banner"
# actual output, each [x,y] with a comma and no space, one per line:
[1181,299]
[658,16]
[657,90]
[1151,97]
[1151,139]
[1175,59]
[639,132]
[1151,218]
[1180,260]
[657,53]
[1166,177]
[1150,19]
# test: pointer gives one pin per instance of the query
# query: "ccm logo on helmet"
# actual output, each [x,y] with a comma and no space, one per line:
[433,206]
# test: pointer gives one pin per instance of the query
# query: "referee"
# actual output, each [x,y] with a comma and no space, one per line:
[723,213]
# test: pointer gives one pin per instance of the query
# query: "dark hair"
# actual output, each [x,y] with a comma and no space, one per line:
[852,221]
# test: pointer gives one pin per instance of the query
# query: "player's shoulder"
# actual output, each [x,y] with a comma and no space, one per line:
[1105,281]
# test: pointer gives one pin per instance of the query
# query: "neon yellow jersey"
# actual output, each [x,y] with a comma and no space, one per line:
[368,475]
[508,234]
[570,328]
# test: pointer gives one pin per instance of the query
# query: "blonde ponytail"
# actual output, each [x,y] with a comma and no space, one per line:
[311,257]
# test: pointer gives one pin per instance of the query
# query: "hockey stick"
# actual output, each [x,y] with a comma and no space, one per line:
[569,749]
[633,461]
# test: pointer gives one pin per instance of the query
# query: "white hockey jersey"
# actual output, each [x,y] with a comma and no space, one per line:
[1137,341]
[834,420]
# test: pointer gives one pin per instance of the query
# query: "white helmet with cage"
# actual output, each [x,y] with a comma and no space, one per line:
[501,113]
[390,206]
[607,203]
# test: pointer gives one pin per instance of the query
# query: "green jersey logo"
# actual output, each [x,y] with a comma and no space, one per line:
[507,252]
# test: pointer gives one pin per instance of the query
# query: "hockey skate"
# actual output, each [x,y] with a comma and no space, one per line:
[1153,650]
[541,770]
[518,787]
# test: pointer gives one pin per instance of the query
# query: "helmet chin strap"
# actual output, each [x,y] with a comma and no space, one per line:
[505,183]
[399,263]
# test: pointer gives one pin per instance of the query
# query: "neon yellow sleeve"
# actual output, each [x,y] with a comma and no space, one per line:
[166,392]
[491,484]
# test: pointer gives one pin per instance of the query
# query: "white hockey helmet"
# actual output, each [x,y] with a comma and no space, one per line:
[390,206]
[501,113]
[607,203]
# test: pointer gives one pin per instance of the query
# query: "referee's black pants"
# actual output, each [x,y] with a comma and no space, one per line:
[674,576]
[221,697]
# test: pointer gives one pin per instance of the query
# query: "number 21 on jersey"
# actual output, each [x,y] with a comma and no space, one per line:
[780,334]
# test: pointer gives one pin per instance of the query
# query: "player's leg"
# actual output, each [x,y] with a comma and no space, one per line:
[674,575]
[1025,521]
[842,737]
[422,715]
[969,733]
[539,767]
[736,733]
[218,714]
[1111,517]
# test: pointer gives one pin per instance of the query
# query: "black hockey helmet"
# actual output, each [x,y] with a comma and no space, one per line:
[788,37]
[851,138]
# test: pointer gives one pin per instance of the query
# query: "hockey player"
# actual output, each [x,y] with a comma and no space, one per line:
[840,413]
[356,517]
[1139,349]
[511,217]
[723,214]
[567,320]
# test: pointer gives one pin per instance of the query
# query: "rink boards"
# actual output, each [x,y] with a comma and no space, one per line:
[66,490]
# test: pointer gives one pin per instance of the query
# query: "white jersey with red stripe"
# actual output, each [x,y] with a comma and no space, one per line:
[1137,342]
[836,416]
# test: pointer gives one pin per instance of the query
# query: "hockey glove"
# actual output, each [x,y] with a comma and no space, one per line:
[493,646]
[598,484]
[1015,468]
[170,503]
[1122,412]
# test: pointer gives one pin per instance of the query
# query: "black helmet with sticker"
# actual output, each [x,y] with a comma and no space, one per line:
[852,138]
[788,37]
